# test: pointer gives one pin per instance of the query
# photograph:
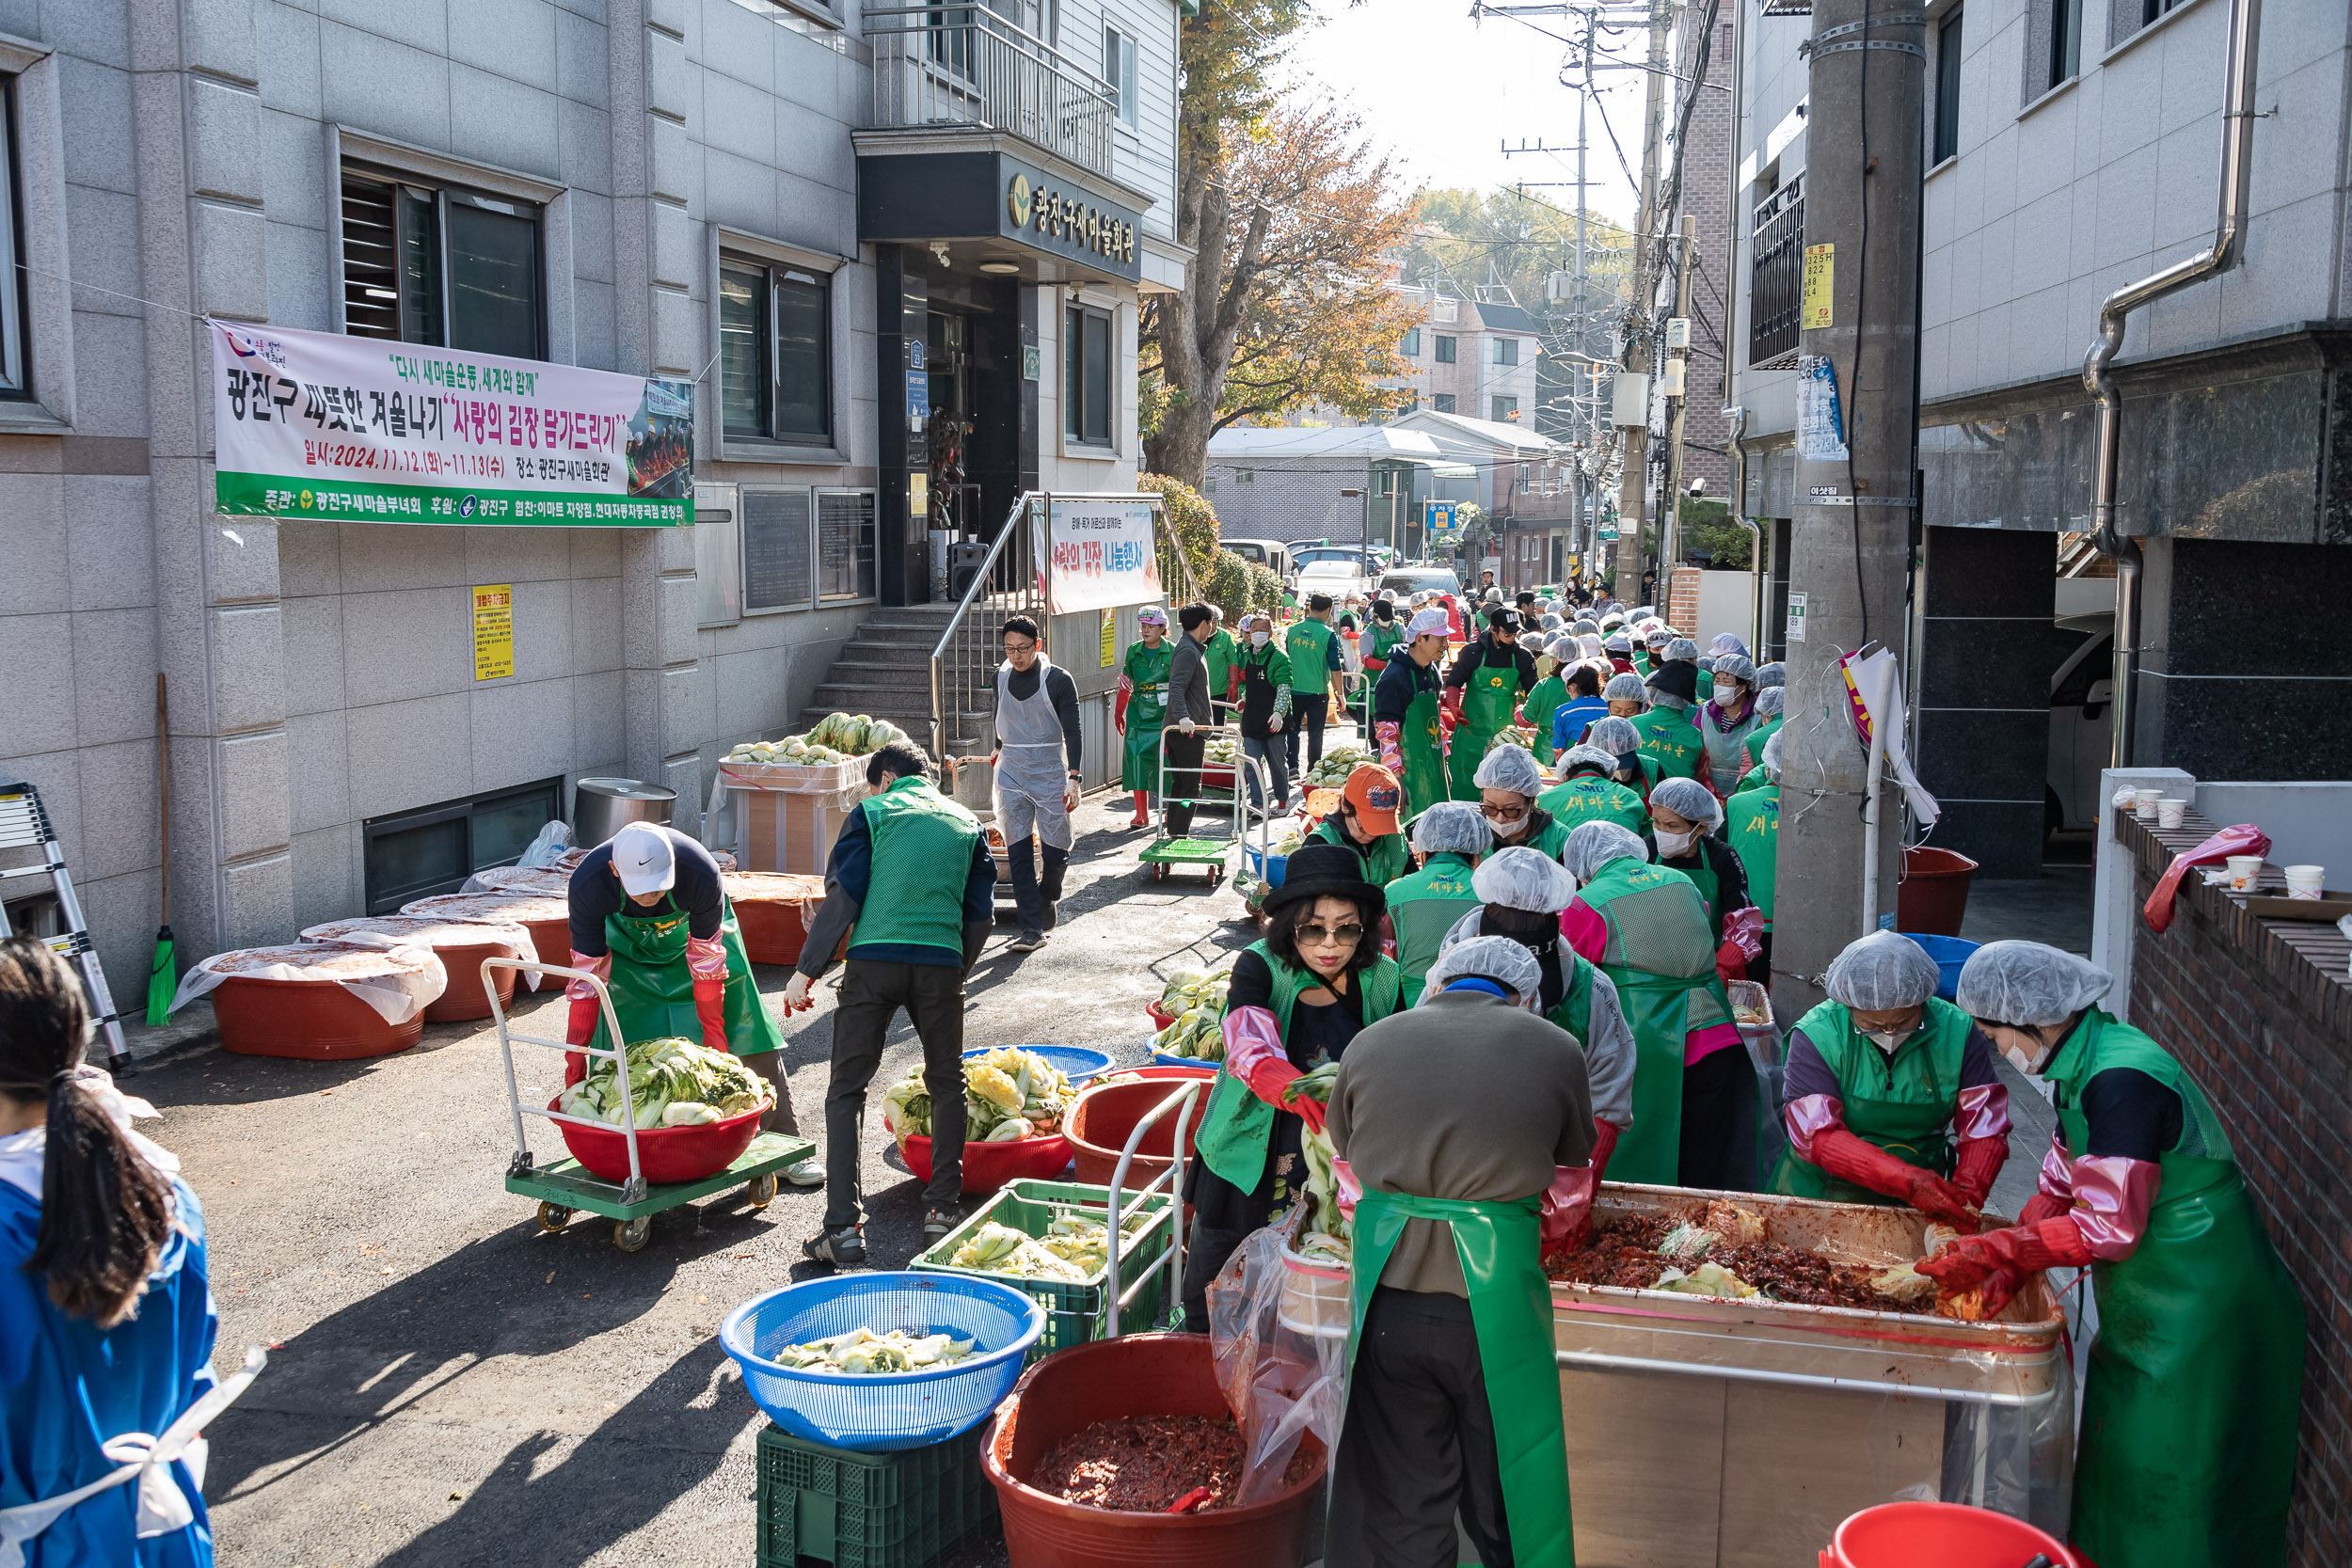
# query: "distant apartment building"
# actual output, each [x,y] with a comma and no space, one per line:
[1468,356]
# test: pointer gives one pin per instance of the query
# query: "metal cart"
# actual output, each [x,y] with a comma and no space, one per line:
[1166,852]
[565,1188]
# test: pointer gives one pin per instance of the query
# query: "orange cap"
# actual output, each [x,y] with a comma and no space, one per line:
[1374,793]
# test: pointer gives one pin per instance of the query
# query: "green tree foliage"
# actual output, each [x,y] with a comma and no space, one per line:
[1707,526]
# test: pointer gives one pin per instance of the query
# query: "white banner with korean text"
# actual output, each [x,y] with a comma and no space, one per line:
[1103,553]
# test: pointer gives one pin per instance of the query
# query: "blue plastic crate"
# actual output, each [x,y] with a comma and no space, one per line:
[1950,954]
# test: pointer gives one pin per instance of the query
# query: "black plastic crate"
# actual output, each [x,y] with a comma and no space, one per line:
[903,1509]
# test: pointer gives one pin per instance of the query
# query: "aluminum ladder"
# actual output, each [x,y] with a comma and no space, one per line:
[24,825]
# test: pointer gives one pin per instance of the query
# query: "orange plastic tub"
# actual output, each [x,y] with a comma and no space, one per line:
[1933,897]
[1104,1118]
[664,1153]
[312,1019]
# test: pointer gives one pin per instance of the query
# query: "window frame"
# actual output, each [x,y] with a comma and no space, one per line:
[2065,36]
[1442,403]
[1443,350]
[466,809]
[775,277]
[1506,350]
[16,298]
[1951,45]
[1122,71]
[409,191]
[1498,414]
[1408,346]
[1076,314]
[739,248]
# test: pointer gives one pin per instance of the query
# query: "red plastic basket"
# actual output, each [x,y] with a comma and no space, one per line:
[664,1153]
[1161,1017]
[988,1167]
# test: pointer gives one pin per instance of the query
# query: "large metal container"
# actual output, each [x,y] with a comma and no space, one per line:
[1705,1433]
[602,807]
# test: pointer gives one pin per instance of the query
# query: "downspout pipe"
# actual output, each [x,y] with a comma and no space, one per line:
[1739,443]
[2228,242]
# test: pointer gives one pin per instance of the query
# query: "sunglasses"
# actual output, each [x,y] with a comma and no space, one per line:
[1502,813]
[1314,934]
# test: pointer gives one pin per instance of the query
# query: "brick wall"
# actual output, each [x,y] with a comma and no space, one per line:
[2260,1012]
[1705,188]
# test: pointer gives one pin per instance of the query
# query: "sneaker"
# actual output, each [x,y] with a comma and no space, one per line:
[937,1223]
[1052,914]
[844,1248]
[1028,941]
[808,1172]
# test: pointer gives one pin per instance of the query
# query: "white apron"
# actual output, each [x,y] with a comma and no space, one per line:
[1031,774]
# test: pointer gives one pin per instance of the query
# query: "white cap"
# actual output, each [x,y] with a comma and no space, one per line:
[1429,623]
[643,856]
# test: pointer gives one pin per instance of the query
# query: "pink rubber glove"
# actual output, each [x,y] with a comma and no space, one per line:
[1567,1203]
[1344,1177]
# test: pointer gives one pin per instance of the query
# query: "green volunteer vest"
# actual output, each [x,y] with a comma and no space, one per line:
[922,857]
[1237,1126]
[1904,1103]
[1761,734]
[1586,798]
[1575,1011]
[2190,1407]
[1386,858]
[1546,700]
[1383,641]
[1669,740]
[1422,906]
[1308,644]
[1218,654]
[1752,827]
[1751,781]
[1489,693]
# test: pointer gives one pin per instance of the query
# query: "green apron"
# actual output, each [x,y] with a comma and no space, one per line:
[1588,798]
[1550,696]
[1219,656]
[1237,1128]
[1904,1103]
[1386,858]
[1659,1007]
[2191,1405]
[1510,1300]
[1703,877]
[1751,827]
[1147,711]
[1488,696]
[1753,778]
[1420,740]
[653,991]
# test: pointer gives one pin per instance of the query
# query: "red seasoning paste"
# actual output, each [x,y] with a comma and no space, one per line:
[1147,1464]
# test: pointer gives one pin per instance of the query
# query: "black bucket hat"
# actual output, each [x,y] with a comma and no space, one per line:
[1325,871]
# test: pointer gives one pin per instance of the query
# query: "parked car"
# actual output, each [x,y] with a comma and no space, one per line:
[1405,581]
[2082,732]
[1338,578]
[1272,554]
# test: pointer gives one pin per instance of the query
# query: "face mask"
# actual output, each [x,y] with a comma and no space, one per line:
[1887,1039]
[1673,845]
[2029,1062]
[1258,638]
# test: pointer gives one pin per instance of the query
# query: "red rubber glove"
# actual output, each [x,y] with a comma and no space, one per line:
[1270,1078]
[2021,1249]
[1980,1160]
[1450,704]
[580,1027]
[1731,962]
[1118,712]
[2042,1206]
[1605,1135]
[706,960]
[1852,1158]
[1305,1107]
[1568,1209]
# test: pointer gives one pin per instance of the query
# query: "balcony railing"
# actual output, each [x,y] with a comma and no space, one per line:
[966,65]
[1776,290]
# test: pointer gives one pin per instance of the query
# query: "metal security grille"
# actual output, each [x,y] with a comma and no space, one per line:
[1777,287]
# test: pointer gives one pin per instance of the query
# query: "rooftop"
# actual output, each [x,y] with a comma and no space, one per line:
[1366,443]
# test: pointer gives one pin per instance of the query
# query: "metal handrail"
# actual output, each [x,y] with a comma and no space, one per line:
[966,65]
[1016,518]
[935,18]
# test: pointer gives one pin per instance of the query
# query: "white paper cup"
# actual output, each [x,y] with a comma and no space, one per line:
[2170,812]
[2145,802]
[2244,870]
[2303,882]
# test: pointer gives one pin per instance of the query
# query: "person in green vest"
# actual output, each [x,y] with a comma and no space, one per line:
[1634,766]
[1549,695]
[1265,708]
[1684,816]
[1510,797]
[1769,702]
[1424,903]
[1668,737]
[2190,1409]
[1379,644]
[1222,656]
[1365,824]
[1143,699]
[1889,1094]
[1406,718]
[1592,789]
[910,947]
[1299,996]
[1752,826]
[1313,650]
[1482,690]
[1695,1113]
[1467,1123]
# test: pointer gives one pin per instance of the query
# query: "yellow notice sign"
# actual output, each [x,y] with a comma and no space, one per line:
[1821,282]
[1110,636]
[493,631]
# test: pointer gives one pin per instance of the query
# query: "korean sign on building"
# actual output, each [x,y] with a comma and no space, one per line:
[316,424]
[1102,554]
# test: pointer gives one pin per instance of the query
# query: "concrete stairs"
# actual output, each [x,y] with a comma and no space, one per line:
[883,671]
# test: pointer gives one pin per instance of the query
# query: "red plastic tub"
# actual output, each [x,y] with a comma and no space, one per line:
[313,1020]
[1939,1535]
[664,1153]
[1935,892]
[772,910]
[1105,1115]
[988,1167]
[1136,1374]
[462,947]
[1161,1018]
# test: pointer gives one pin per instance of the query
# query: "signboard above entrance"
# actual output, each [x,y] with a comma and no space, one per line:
[919,197]
[1103,553]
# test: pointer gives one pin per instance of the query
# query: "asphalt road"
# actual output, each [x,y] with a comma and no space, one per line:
[449,1386]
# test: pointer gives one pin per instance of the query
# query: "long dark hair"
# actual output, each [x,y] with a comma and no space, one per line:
[104,1212]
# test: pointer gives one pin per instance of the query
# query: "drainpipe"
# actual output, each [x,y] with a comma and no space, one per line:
[2229,237]
[1739,437]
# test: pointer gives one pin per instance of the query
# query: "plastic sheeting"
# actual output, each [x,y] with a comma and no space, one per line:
[388,931]
[405,982]
[1284,1371]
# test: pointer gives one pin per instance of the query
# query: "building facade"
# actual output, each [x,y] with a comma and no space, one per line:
[1296,484]
[814,215]
[1528,484]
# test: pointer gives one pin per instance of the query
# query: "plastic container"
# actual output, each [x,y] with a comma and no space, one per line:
[1268,869]
[1187,1063]
[1315,1298]
[773,912]
[465,999]
[1076,1062]
[312,1019]
[1104,1116]
[892,1411]
[1950,955]
[901,1509]
[2246,872]
[1939,1535]
[1074,1313]
[1762,1040]
[1161,1017]
[664,1153]
[988,1167]
[2171,811]
[2306,881]
[1135,1374]
[1935,892]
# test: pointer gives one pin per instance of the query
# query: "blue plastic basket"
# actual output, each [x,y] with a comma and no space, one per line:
[1268,869]
[1077,1063]
[1207,1069]
[1950,953]
[890,1411]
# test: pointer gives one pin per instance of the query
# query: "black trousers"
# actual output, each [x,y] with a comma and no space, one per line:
[1180,781]
[1308,712]
[871,994]
[1031,897]
[1719,1112]
[1417,1444]
[1207,1249]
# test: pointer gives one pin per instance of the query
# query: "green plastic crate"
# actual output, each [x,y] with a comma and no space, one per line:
[1073,1313]
[901,1509]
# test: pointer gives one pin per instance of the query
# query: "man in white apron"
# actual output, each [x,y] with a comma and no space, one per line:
[1036,764]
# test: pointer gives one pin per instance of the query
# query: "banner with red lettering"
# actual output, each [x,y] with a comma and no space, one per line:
[1101,553]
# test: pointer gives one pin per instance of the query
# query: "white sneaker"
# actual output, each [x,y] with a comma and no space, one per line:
[808,1172]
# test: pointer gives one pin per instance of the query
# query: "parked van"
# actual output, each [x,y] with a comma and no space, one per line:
[1272,554]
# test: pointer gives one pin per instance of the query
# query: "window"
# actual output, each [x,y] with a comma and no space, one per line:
[1409,346]
[441,265]
[1776,281]
[1086,376]
[1506,350]
[2066,41]
[1118,70]
[1947,90]
[1522,479]
[1445,350]
[417,853]
[1442,402]
[2150,10]
[1505,409]
[1244,476]
[775,353]
[15,381]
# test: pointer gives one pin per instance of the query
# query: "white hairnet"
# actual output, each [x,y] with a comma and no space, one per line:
[1523,879]
[1550,622]
[1658,637]
[1774,673]
[1771,699]
[1689,798]
[1455,825]
[1683,648]
[2025,982]
[1706,663]
[1735,667]
[1771,756]
[1577,756]
[1625,685]
[1617,642]
[1612,619]
[1614,733]
[1726,643]
[1505,962]
[1882,970]
[1586,624]
[1591,644]
[1594,844]
[1511,767]
[1427,623]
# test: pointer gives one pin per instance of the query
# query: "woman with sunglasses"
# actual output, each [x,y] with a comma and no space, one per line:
[1299,996]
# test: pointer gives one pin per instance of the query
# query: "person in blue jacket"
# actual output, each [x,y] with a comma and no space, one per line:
[106,1320]
[1585,705]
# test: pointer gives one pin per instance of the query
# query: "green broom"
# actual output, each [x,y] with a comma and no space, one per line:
[163,970]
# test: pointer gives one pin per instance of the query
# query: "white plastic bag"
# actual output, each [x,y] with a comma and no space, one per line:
[545,849]
[1282,1377]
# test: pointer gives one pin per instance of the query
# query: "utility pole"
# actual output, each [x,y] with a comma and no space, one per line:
[1677,403]
[1633,483]
[1850,542]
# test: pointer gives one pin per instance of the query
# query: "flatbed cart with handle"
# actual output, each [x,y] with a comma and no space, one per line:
[1166,852]
[566,1188]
